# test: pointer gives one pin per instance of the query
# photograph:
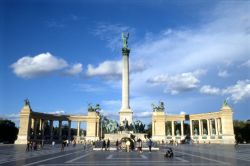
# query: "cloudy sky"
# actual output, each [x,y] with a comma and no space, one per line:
[62,55]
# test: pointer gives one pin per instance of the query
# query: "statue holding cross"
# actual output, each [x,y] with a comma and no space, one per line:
[125,39]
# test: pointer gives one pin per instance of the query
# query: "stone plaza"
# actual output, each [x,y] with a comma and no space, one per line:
[205,155]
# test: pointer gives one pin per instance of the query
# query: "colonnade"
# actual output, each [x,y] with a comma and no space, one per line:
[32,125]
[212,127]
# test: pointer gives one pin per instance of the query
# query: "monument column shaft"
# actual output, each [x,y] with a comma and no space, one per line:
[125,82]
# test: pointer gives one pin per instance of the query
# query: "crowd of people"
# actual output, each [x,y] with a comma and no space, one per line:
[34,145]
[127,144]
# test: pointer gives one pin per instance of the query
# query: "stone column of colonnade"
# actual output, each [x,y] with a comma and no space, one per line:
[41,127]
[182,128]
[51,130]
[200,134]
[191,128]
[172,126]
[69,130]
[60,130]
[35,128]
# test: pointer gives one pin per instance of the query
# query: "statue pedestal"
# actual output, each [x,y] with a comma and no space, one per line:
[118,136]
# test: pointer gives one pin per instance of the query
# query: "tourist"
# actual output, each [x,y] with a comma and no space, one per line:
[53,143]
[169,153]
[67,142]
[236,146]
[117,145]
[62,146]
[104,144]
[127,145]
[85,144]
[150,145]
[108,144]
[28,147]
[139,145]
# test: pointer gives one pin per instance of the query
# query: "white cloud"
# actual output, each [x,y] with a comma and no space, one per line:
[223,73]
[59,112]
[178,83]
[207,89]
[144,114]
[239,91]
[75,69]
[44,63]
[246,63]
[107,69]
[113,69]
[182,113]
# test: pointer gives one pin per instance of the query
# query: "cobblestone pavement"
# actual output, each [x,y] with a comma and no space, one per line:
[185,155]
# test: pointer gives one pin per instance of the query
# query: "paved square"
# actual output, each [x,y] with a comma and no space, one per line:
[185,155]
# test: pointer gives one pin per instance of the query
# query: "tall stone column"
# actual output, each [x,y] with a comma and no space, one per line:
[69,130]
[182,128]
[126,112]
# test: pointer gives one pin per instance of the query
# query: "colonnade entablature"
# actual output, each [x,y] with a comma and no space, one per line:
[212,127]
[32,125]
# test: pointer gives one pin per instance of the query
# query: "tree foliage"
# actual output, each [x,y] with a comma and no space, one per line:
[8,131]
[242,131]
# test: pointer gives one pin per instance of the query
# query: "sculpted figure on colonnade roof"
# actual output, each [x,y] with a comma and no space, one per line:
[159,108]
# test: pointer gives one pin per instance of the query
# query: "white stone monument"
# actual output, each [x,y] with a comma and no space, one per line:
[125,112]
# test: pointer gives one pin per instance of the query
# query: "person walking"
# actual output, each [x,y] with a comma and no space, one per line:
[117,145]
[139,145]
[62,145]
[104,144]
[108,144]
[127,145]
[150,145]
[28,146]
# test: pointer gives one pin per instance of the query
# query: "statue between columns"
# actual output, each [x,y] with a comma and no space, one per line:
[93,108]
[159,108]
[125,37]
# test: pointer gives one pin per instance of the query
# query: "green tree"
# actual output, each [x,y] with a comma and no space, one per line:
[149,130]
[241,130]
[8,131]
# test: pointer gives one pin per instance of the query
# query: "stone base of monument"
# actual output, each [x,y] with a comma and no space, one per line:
[114,149]
[118,136]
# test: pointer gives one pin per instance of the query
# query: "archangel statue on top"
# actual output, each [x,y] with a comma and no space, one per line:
[125,37]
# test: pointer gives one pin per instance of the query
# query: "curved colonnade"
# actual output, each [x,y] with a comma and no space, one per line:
[212,127]
[32,125]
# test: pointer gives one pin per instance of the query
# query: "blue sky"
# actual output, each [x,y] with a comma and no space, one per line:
[62,55]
